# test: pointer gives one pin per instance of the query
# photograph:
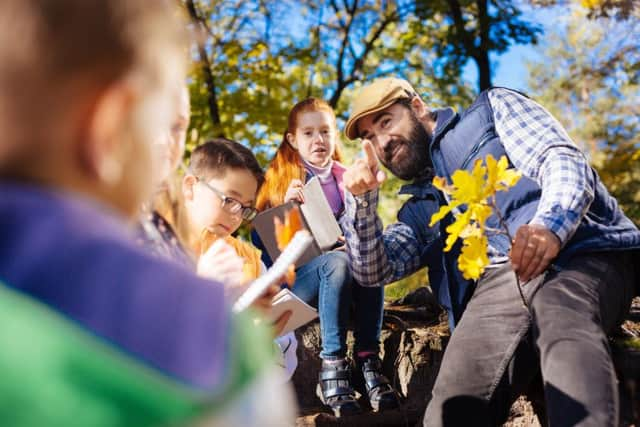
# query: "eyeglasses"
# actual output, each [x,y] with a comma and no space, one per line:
[230,204]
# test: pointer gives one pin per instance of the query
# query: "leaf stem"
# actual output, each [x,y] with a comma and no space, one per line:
[495,230]
[503,224]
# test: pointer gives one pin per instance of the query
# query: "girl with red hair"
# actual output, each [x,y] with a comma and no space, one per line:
[310,148]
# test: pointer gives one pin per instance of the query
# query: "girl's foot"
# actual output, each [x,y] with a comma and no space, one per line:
[336,390]
[381,395]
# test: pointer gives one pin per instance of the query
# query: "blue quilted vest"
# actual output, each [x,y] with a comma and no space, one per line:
[458,141]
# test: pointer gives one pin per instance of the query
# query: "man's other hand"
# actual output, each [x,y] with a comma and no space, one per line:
[534,247]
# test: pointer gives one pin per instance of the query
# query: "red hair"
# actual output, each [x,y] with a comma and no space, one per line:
[286,164]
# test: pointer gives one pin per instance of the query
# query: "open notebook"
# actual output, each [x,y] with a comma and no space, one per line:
[317,218]
[273,276]
[301,312]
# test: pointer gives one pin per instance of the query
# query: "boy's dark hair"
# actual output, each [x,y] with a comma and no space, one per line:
[216,156]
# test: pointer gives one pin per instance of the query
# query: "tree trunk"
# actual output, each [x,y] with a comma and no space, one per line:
[214,112]
[484,70]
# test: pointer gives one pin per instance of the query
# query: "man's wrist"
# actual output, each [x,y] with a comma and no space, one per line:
[555,226]
[366,203]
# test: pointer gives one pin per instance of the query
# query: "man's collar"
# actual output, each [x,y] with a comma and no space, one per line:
[445,118]
[421,188]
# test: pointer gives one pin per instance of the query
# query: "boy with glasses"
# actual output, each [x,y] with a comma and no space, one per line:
[220,191]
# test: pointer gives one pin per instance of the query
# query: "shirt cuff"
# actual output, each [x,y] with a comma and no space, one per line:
[559,223]
[366,204]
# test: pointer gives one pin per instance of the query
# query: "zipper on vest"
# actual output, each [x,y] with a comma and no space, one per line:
[439,169]
[475,150]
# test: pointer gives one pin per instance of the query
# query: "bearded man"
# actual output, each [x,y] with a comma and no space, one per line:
[573,251]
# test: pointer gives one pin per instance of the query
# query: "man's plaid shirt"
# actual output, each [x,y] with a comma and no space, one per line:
[536,144]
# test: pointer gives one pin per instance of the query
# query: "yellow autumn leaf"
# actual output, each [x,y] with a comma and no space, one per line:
[479,174]
[473,190]
[473,229]
[441,184]
[480,212]
[499,176]
[469,187]
[508,179]
[456,228]
[492,171]
[469,223]
[590,4]
[473,259]
[442,212]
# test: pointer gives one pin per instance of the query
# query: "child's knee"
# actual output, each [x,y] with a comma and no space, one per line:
[336,268]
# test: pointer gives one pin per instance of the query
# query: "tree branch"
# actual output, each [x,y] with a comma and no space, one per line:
[206,66]
[346,29]
[458,21]
[359,61]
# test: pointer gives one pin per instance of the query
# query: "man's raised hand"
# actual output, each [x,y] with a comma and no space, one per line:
[364,174]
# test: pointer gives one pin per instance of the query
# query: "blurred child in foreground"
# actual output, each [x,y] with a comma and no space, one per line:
[163,215]
[95,331]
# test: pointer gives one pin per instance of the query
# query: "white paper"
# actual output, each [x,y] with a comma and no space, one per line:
[301,312]
[318,215]
[299,243]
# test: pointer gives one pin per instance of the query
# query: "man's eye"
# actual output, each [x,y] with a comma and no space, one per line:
[307,133]
[385,123]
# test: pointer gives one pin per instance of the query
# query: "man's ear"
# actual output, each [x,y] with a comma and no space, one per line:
[291,139]
[187,186]
[102,144]
[419,108]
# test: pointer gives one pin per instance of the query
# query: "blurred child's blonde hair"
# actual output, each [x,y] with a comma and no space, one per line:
[55,52]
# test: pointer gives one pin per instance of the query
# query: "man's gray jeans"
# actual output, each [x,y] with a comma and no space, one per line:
[498,347]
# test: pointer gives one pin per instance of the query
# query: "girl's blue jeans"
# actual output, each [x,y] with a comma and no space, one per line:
[326,283]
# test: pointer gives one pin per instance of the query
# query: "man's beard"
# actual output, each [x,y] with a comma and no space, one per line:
[414,162]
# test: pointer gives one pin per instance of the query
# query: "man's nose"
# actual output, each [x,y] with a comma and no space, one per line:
[381,141]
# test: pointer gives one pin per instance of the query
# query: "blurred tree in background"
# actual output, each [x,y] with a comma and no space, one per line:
[617,9]
[254,59]
[589,78]
[475,29]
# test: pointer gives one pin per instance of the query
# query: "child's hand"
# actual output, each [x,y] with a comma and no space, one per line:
[294,192]
[221,263]
[280,323]
[276,326]
[263,304]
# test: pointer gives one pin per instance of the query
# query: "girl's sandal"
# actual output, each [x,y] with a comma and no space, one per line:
[336,390]
[381,395]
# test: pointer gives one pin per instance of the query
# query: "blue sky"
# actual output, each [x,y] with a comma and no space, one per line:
[510,68]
